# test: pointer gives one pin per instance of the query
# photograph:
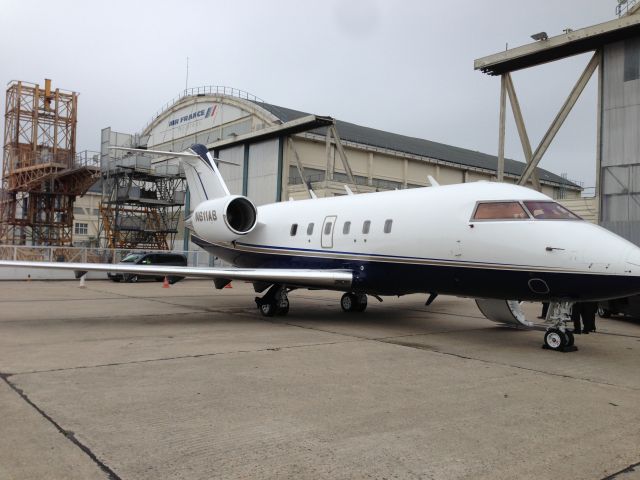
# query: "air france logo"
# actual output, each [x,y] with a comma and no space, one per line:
[200,114]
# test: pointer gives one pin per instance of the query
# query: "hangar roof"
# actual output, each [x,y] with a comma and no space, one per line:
[351,132]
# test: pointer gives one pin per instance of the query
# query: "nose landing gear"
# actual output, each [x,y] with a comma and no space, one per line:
[558,337]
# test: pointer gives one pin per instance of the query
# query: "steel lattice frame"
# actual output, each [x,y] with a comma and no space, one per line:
[139,223]
[40,176]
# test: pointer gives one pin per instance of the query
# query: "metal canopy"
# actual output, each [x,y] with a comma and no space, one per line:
[304,124]
[561,46]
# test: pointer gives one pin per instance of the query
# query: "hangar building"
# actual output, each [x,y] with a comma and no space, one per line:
[282,152]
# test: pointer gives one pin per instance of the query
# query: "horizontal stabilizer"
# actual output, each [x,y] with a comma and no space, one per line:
[433,181]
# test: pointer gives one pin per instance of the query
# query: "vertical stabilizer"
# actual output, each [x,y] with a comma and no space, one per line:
[203,176]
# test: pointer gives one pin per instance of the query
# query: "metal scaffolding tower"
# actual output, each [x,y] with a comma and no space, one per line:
[41,175]
[141,203]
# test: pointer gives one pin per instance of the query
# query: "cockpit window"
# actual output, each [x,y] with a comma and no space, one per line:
[500,211]
[550,211]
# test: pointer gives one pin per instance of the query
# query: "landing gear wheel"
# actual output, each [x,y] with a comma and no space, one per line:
[555,339]
[283,308]
[603,312]
[268,309]
[133,279]
[349,302]
[569,338]
[362,303]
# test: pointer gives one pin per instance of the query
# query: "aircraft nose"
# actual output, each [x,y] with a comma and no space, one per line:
[633,257]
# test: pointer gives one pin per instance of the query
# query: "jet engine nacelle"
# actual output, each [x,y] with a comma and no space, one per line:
[224,219]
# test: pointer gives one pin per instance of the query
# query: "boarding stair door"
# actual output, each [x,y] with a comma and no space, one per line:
[327,231]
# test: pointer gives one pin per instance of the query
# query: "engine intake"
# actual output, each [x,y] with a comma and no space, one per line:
[224,219]
[240,215]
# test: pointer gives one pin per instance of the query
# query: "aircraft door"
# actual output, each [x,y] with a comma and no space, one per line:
[327,231]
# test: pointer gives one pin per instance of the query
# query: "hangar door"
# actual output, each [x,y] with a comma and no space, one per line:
[232,175]
[262,181]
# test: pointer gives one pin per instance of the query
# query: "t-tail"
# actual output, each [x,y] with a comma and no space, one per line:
[218,216]
[203,177]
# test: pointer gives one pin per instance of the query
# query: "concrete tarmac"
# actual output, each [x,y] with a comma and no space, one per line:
[133,381]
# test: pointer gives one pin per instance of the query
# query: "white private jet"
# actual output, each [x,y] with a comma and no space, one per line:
[494,242]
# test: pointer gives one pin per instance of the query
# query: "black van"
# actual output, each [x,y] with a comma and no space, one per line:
[158,258]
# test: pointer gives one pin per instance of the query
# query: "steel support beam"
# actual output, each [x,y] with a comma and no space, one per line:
[501,129]
[299,166]
[560,117]
[522,131]
[343,156]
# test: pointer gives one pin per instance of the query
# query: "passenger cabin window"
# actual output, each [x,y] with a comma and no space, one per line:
[327,228]
[310,229]
[366,226]
[387,225]
[549,211]
[294,229]
[500,211]
[346,227]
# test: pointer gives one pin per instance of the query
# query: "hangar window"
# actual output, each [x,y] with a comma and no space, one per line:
[387,225]
[550,211]
[346,227]
[294,229]
[366,226]
[500,211]
[310,229]
[631,59]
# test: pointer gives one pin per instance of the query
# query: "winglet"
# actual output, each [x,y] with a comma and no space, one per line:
[433,181]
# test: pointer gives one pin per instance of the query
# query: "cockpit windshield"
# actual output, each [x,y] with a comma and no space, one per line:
[549,211]
[500,211]
[525,210]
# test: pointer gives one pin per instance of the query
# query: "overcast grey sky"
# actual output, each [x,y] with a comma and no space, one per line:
[405,66]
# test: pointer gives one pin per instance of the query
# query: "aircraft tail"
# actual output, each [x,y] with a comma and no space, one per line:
[203,176]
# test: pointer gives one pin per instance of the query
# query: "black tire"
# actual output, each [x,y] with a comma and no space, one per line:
[362,302]
[603,312]
[283,308]
[349,302]
[570,339]
[554,339]
[268,309]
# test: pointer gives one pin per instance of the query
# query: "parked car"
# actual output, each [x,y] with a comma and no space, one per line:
[628,306]
[158,258]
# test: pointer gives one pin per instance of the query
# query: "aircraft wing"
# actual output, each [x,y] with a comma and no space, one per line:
[339,279]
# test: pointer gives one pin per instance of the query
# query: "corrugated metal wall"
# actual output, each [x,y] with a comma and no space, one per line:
[263,172]
[620,164]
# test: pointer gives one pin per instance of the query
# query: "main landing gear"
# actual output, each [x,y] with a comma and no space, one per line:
[274,302]
[558,337]
[353,302]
